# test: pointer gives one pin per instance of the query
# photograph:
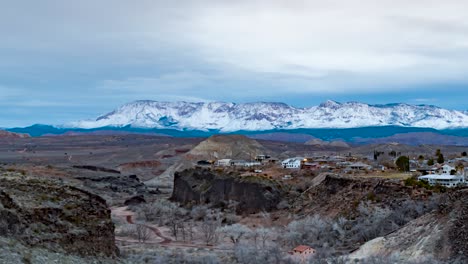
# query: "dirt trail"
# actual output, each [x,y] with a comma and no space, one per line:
[166,242]
[156,231]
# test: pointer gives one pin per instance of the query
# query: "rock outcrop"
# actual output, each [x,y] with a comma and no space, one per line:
[65,219]
[215,147]
[252,193]
[128,184]
[442,234]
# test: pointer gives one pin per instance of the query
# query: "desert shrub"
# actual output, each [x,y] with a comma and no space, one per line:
[126,230]
[246,254]
[235,232]
[316,231]
[199,212]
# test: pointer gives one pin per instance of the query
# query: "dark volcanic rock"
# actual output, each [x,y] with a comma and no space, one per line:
[96,168]
[118,183]
[139,199]
[253,193]
[58,217]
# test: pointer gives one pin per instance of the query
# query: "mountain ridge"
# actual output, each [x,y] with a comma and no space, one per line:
[260,116]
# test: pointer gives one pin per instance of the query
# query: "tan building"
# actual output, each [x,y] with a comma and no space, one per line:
[302,253]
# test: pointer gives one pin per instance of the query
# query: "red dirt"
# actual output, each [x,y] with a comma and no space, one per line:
[156,231]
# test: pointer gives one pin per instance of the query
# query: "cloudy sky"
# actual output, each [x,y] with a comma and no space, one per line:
[69,60]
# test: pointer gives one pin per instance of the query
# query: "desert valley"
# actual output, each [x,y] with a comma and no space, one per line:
[135,198]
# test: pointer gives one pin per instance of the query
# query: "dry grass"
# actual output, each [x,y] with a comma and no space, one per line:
[387,175]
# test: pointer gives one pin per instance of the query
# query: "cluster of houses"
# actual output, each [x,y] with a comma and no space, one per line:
[258,161]
[325,163]
[322,163]
[445,175]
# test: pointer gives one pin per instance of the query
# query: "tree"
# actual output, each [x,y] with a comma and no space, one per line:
[438,152]
[143,233]
[402,163]
[463,154]
[209,228]
[261,236]
[235,232]
[430,162]
[440,159]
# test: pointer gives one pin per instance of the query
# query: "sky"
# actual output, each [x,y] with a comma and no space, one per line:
[63,61]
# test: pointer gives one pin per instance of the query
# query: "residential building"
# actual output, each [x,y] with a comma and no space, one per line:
[302,253]
[223,162]
[358,166]
[447,169]
[446,180]
[293,163]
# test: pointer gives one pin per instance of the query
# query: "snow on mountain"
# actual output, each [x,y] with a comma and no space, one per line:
[228,117]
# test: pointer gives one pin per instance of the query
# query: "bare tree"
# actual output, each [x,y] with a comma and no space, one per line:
[143,233]
[235,232]
[262,235]
[209,229]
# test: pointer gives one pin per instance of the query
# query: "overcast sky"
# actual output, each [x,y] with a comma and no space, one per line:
[69,60]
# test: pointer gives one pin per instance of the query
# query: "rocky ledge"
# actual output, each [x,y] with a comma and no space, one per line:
[199,186]
[43,213]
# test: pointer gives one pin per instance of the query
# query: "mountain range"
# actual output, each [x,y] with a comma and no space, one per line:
[261,116]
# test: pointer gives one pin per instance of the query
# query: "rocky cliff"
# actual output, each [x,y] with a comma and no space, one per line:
[65,219]
[253,193]
[339,195]
[442,234]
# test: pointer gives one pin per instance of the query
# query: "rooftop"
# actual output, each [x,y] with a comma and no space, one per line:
[440,177]
[301,248]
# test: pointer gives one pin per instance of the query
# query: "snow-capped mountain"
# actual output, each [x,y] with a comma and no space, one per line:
[228,117]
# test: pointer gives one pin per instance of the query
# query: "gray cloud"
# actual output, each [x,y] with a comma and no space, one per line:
[98,54]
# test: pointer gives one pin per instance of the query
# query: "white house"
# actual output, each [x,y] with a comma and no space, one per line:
[358,166]
[292,163]
[223,162]
[446,169]
[446,180]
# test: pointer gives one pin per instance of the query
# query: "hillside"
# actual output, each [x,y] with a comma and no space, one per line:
[441,234]
[10,135]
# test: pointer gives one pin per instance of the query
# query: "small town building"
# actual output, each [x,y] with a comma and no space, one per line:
[426,170]
[302,253]
[446,180]
[293,163]
[223,162]
[310,166]
[261,157]
[447,169]
[358,166]
[240,163]
[252,164]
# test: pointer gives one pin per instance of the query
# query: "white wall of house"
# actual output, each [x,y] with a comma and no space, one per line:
[293,163]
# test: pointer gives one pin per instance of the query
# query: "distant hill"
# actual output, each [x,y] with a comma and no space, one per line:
[7,134]
[228,146]
[333,144]
[362,135]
